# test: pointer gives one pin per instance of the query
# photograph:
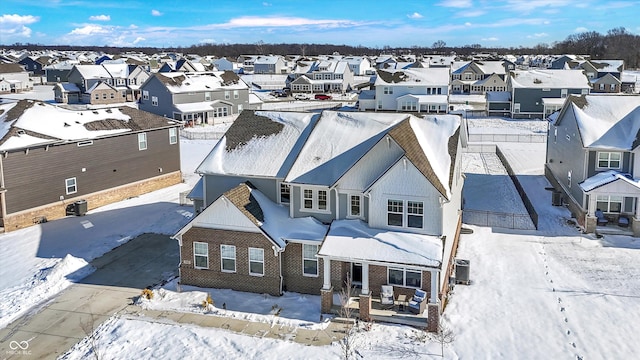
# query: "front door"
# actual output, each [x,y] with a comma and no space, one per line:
[356,274]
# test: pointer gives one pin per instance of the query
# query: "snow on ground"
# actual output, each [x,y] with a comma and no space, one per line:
[551,293]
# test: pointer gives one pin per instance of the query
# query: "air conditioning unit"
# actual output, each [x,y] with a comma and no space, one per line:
[556,198]
[462,271]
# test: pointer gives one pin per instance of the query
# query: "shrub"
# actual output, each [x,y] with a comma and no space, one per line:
[147,293]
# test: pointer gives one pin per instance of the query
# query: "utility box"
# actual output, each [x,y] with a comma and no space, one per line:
[80,207]
[462,271]
[556,198]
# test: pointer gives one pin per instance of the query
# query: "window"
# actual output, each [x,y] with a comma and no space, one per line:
[154,100]
[612,87]
[609,203]
[227,95]
[113,96]
[415,214]
[316,200]
[387,90]
[609,160]
[207,96]
[601,86]
[145,95]
[228,258]
[285,193]
[405,277]
[200,255]
[412,216]
[355,206]
[569,178]
[71,185]
[142,141]
[309,260]
[173,135]
[256,261]
[104,95]
[394,212]
[236,94]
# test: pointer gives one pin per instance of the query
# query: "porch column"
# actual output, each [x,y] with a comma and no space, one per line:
[326,262]
[434,288]
[365,279]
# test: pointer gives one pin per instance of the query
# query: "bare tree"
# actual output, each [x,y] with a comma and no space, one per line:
[349,341]
[88,327]
[443,335]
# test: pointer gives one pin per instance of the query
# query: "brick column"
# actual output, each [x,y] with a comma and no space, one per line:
[365,306]
[326,300]
[433,317]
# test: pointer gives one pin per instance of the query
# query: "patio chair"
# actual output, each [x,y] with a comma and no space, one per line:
[386,296]
[602,220]
[623,221]
[418,303]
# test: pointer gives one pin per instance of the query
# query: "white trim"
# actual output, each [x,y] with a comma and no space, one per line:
[315,258]
[404,277]
[142,139]
[173,138]
[315,200]
[235,261]
[255,261]
[598,167]
[361,205]
[67,186]
[405,213]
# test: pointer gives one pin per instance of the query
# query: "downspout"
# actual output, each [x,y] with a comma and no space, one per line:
[3,203]
[278,254]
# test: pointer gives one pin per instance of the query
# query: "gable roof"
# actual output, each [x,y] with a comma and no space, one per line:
[552,79]
[607,177]
[179,82]
[259,143]
[11,68]
[414,76]
[606,121]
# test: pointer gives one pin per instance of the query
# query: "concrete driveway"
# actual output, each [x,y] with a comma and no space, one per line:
[120,275]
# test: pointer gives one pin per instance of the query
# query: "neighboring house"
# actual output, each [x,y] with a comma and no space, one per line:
[360,65]
[592,157]
[369,197]
[415,90]
[598,68]
[322,76]
[566,62]
[606,84]
[112,82]
[52,157]
[35,65]
[246,63]
[270,64]
[182,65]
[59,72]
[498,103]
[102,93]
[66,93]
[478,77]
[222,64]
[531,88]
[210,97]
[14,79]
[137,76]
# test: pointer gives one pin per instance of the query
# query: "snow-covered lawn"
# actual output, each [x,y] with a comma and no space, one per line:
[546,294]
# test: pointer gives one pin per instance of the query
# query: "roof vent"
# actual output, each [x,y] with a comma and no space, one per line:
[21,132]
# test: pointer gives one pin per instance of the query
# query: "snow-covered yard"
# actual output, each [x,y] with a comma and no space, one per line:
[551,293]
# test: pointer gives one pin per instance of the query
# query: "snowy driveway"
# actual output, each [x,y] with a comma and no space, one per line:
[121,274]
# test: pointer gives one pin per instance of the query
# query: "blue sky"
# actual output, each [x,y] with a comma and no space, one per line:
[163,23]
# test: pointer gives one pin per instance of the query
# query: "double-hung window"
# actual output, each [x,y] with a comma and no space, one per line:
[227,95]
[201,255]
[173,135]
[315,200]
[228,258]
[145,95]
[405,277]
[285,193]
[236,94]
[142,141]
[256,261]
[408,214]
[154,100]
[71,186]
[355,206]
[309,260]
[609,160]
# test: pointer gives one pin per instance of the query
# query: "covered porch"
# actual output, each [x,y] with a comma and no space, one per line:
[408,263]
[612,204]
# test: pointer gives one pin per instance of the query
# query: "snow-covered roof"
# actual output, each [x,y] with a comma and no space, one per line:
[197,106]
[553,101]
[427,99]
[27,123]
[549,79]
[68,87]
[93,71]
[178,82]
[498,96]
[260,144]
[354,241]
[608,65]
[604,178]
[607,121]
[197,192]
[117,70]
[341,136]
[414,77]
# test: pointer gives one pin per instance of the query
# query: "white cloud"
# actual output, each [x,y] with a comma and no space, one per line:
[473,13]
[155,12]
[581,29]
[100,18]
[415,15]
[89,30]
[14,25]
[274,21]
[491,39]
[133,26]
[138,39]
[467,24]
[537,35]
[456,3]
[266,4]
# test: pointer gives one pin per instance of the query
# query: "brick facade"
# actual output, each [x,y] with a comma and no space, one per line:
[240,280]
[294,280]
[57,210]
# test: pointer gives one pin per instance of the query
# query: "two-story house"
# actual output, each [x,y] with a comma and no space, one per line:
[538,93]
[478,77]
[592,157]
[328,206]
[209,97]
[270,64]
[414,89]
[322,76]
[14,79]
[360,65]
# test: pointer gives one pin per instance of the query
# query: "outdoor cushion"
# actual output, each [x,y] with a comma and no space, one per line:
[419,296]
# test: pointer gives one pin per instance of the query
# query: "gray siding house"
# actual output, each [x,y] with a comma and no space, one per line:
[328,206]
[592,154]
[211,97]
[52,157]
[529,88]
